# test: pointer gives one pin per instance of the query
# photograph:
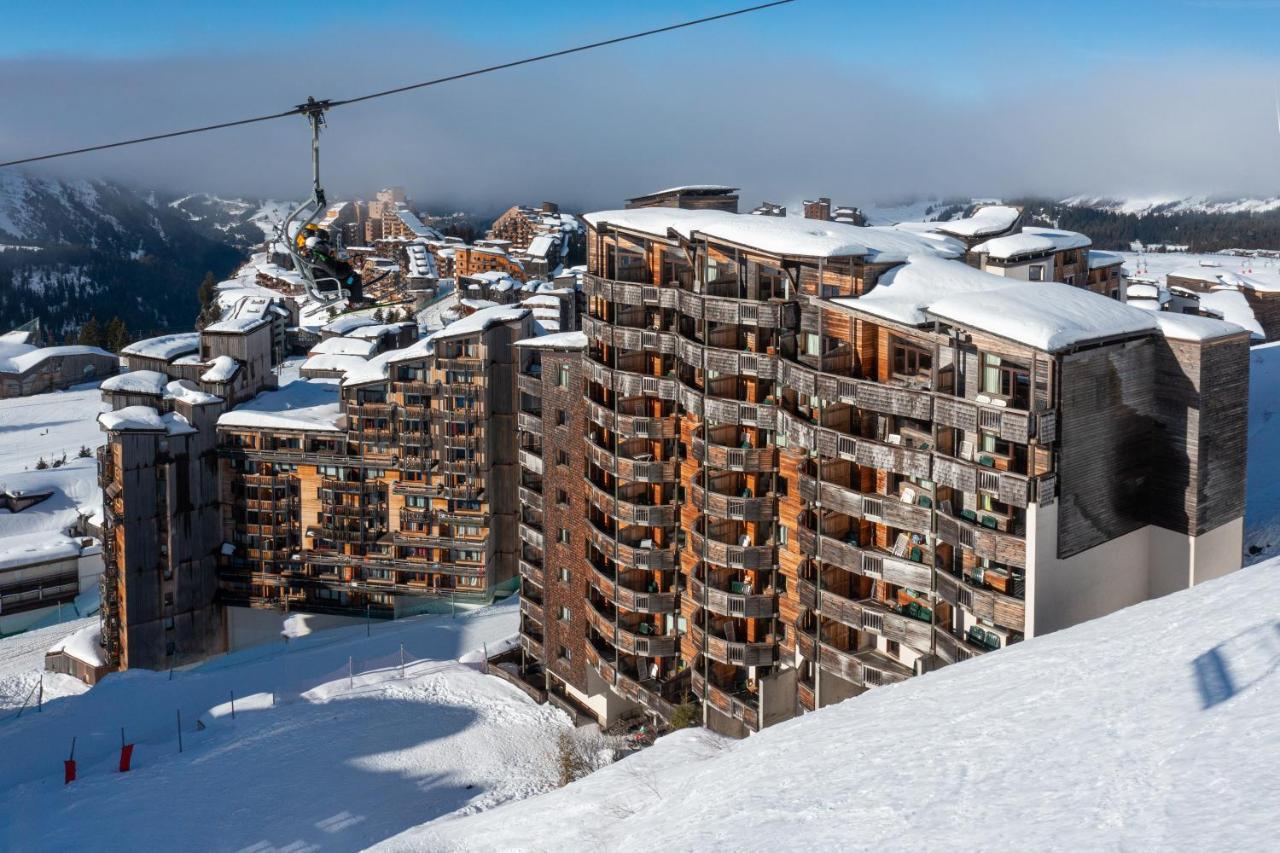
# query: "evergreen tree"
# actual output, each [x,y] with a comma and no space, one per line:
[208,290]
[117,335]
[91,334]
[378,316]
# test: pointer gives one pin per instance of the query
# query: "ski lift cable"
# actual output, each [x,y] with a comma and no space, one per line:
[311,105]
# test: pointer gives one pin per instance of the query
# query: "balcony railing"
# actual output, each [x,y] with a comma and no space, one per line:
[735,458]
[1004,548]
[737,508]
[875,618]
[995,607]
[724,603]
[732,556]
[732,652]
[741,706]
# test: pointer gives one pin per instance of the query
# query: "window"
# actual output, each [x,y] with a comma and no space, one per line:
[562,497]
[562,457]
[562,376]
[564,614]
[564,654]
[909,360]
[563,574]
[562,417]
[562,536]
[1035,272]
[1005,379]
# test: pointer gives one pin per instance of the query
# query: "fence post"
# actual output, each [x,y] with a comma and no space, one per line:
[40,695]
[368,620]
[351,673]
[402,660]
[484,660]
[233,704]
[179,730]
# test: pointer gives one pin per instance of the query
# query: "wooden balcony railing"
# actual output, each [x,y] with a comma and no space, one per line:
[742,605]
[995,607]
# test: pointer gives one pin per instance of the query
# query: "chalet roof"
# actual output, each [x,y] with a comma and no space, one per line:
[151,382]
[166,347]
[559,340]
[306,404]
[144,419]
[236,325]
[221,369]
[1098,259]
[1046,315]
[1234,308]
[344,346]
[1262,280]
[903,293]
[1190,327]
[1032,241]
[777,235]
[689,189]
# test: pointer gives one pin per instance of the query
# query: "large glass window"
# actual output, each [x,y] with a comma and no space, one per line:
[1006,379]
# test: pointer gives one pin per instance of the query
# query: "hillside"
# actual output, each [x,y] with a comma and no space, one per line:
[1155,728]
[333,764]
[74,249]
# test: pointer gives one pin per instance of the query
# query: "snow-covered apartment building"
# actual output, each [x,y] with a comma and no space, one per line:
[384,485]
[29,369]
[788,460]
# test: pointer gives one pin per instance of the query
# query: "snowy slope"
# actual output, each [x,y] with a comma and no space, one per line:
[1156,728]
[22,666]
[330,766]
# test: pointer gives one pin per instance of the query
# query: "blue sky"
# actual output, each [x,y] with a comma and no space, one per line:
[817,97]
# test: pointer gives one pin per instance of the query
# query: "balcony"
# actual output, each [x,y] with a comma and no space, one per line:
[989,605]
[734,508]
[732,556]
[530,423]
[658,695]
[1013,489]
[739,704]
[1005,548]
[953,648]
[756,459]
[531,609]
[631,426]
[866,668]
[530,461]
[636,470]
[871,562]
[531,537]
[874,617]
[743,605]
[532,572]
[732,652]
[861,393]
[632,642]
[531,385]
[531,498]
[635,601]
[625,512]
[729,362]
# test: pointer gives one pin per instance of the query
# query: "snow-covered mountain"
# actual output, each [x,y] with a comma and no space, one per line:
[1170,204]
[241,220]
[1155,728]
[70,250]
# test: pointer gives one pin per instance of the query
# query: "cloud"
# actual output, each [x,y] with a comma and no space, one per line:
[591,130]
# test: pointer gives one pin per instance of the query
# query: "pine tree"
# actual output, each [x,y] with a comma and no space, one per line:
[91,334]
[208,290]
[117,335]
[378,316]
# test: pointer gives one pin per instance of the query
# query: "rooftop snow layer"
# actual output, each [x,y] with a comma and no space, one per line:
[1234,308]
[181,389]
[344,346]
[221,369]
[1190,327]
[1262,280]
[347,323]
[137,382]
[333,362]
[903,293]
[307,404]
[992,219]
[1032,241]
[145,419]
[236,325]
[782,235]
[560,340]
[17,551]
[377,330]
[1099,259]
[165,347]
[1048,316]
[21,362]
[83,645]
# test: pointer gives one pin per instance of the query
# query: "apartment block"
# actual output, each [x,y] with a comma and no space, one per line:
[818,460]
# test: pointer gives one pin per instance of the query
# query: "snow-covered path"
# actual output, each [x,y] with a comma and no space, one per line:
[330,767]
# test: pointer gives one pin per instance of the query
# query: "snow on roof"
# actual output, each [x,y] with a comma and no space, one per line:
[75,493]
[17,551]
[84,645]
[1234,308]
[902,293]
[1098,259]
[182,389]
[692,188]
[344,346]
[1147,290]
[236,325]
[373,370]
[378,330]
[1262,280]
[414,224]
[542,300]
[1048,316]
[1032,241]
[221,369]
[344,324]
[1190,327]
[137,382]
[144,419]
[778,235]
[541,246]
[24,361]
[333,361]
[478,322]
[306,404]
[560,340]
[476,304]
[992,219]
[422,264]
[166,347]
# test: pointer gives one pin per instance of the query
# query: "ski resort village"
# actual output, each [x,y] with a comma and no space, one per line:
[413,512]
